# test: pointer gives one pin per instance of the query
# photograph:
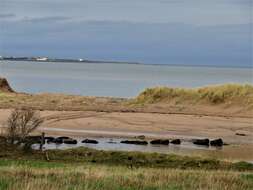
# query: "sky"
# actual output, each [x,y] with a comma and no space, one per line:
[194,32]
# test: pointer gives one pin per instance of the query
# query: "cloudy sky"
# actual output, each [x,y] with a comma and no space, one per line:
[209,32]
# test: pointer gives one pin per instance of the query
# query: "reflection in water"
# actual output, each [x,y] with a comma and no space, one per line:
[232,153]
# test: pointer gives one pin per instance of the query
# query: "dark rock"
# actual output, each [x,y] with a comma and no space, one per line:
[70,141]
[91,141]
[134,142]
[160,141]
[216,142]
[175,141]
[49,139]
[240,134]
[59,140]
[201,142]
[63,138]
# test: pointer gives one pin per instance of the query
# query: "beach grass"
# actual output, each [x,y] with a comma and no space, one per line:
[228,99]
[226,93]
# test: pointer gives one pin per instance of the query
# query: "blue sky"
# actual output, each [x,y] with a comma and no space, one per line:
[208,32]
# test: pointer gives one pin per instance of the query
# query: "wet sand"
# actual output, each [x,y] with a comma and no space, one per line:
[152,125]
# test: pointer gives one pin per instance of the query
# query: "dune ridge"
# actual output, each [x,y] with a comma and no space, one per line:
[214,94]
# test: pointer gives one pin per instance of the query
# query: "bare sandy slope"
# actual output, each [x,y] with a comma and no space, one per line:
[152,125]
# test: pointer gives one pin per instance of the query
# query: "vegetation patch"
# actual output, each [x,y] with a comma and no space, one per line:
[5,182]
[30,163]
[58,158]
[226,93]
[95,177]
[89,169]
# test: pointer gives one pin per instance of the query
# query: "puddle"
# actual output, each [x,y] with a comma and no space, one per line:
[231,152]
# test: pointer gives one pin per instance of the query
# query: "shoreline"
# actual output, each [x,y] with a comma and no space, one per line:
[134,63]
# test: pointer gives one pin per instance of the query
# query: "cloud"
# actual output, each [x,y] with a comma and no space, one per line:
[215,12]
[136,30]
[130,41]
[6,15]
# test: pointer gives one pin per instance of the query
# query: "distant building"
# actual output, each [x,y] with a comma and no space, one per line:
[41,59]
[80,59]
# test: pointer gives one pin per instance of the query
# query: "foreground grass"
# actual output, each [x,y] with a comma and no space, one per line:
[122,158]
[41,175]
[84,168]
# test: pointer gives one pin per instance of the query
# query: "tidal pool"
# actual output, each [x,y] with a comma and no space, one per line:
[187,148]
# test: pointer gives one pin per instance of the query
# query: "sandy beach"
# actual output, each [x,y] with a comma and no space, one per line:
[213,112]
[120,124]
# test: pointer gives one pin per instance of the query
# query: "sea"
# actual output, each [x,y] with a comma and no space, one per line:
[113,79]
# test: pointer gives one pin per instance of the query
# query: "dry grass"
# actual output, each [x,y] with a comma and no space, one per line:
[56,102]
[228,99]
[227,93]
[90,177]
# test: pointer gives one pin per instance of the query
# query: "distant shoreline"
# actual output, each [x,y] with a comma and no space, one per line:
[49,60]
[52,60]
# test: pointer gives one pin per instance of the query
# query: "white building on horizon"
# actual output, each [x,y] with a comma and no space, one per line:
[41,59]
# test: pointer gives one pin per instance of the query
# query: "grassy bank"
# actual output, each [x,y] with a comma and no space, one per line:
[84,168]
[227,93]
[122,158]
[42,175]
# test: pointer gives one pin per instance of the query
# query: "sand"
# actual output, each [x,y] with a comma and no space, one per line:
[152,125]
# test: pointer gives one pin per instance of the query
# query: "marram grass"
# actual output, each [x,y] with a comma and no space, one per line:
[226,93]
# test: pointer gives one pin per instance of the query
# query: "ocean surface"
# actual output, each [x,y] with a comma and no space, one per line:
[112,79]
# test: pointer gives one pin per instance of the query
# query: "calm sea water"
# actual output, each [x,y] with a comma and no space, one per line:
[119,80]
